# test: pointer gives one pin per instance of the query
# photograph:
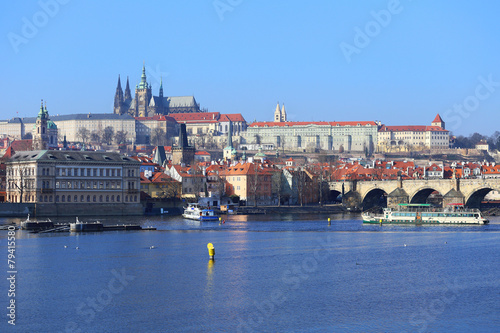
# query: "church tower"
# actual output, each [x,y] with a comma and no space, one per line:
[229,153]
[277,114]
[438,122]
[118,107]
[142,95]
[280,115]
[283,113]
[40,133]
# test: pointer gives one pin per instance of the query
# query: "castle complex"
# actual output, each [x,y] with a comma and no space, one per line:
[144,104]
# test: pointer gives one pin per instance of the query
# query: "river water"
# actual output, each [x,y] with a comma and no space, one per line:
[272,273]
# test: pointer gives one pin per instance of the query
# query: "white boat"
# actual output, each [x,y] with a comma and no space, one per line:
[426,214]
[79,226]
[195,212]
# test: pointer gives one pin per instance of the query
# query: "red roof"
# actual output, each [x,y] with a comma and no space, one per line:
[231,117]
[318,123]
[438,119]
[156,117]
[22,145]
[411,129]
[196,116]
[202,153]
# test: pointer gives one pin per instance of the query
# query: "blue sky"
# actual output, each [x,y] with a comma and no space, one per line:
[400,62]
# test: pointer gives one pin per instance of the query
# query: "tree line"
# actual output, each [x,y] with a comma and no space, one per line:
[473,139]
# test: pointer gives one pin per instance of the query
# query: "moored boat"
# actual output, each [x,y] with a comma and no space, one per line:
[426,214]
[195,212]
[36,225]
[79,226]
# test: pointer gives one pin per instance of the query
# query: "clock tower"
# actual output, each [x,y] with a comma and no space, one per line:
[142,96]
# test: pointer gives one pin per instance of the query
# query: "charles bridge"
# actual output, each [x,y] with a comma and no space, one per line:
[361,195]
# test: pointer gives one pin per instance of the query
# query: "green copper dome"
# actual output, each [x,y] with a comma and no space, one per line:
[51,125]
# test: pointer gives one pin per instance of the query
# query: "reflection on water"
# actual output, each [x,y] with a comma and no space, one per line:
[271,274]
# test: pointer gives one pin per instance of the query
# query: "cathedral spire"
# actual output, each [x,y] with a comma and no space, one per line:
[118,96]
[161,87]
[128,95]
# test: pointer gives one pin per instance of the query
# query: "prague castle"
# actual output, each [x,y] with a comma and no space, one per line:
[144,104]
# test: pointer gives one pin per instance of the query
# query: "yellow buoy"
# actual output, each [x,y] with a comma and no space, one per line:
[211,250]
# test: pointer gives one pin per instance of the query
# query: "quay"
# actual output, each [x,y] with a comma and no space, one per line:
[49,226]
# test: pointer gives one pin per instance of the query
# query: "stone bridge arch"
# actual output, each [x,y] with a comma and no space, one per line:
[473,200]
[421,195]
[333,195]
[374,197]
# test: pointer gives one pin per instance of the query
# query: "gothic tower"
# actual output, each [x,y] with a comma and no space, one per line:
[183,153]
[127,97]
[159,106]
[118,107]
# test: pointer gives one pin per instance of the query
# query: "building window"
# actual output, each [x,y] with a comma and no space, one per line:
[88,198]
[69,198]
[107,198]
[100,198]
[94,198]
[75,198]
[118,198]
[57,198]
[112,198]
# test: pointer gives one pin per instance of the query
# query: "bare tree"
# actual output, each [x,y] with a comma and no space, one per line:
[19,180]
[277,185]
[173,190]
[95,137]
[253,181]
[121,137]
[158,137]
[83,133]
[108,134]
[301,185]
[198,181]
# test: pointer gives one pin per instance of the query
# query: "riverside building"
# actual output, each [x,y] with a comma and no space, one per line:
[74,182]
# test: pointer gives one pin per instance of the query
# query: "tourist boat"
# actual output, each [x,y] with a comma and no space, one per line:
[194,212]
[426,214]
[36,225]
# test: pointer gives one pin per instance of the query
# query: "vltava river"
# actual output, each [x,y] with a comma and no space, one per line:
[280,273]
